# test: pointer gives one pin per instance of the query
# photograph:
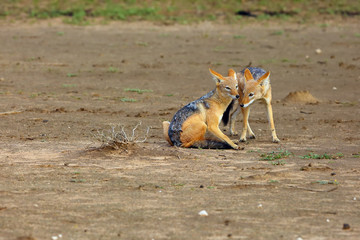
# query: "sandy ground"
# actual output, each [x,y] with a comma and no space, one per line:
[60,85]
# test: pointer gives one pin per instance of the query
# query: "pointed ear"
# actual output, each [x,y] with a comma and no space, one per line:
[264,79]
[248,75]
[232,73]
[216,76]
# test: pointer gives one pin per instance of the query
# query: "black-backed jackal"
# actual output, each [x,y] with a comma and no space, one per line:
[190,123]
[254,84]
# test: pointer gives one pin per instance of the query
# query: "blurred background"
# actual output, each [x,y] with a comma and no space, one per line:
[83,12]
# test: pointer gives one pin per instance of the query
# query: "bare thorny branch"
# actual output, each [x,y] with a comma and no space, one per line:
[116,136]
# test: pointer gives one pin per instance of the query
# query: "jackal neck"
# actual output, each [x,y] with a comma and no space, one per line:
[222,99]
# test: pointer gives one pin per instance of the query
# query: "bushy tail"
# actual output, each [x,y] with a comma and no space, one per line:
[226,115]
[166,125]
[211,144]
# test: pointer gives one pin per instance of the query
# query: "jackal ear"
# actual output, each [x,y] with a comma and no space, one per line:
[232,73]
[264,79]
[216,76]
[248,75]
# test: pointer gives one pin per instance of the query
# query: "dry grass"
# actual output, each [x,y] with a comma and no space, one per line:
[117,138]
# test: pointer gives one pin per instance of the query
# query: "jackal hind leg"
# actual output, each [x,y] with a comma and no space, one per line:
[250,132]
[193,133]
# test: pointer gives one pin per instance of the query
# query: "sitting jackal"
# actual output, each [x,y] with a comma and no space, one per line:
[190,124]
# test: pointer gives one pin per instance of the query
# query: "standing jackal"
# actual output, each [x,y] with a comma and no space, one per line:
[190,123]
[254,84]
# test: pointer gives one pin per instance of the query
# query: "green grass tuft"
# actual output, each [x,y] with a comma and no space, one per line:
[137,90]
[128,100]
[275,155]
[322,156]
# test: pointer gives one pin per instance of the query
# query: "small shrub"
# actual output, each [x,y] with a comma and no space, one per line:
[117,138]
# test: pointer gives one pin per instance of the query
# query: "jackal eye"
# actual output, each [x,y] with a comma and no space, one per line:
[237,87]
[227,88]
[251,94]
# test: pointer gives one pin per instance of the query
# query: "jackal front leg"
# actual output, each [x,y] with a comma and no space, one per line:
[233,116]
[246,125]
[213,127]
[275,139]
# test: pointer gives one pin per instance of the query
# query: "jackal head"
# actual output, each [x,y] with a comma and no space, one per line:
[253,89]
[226,86]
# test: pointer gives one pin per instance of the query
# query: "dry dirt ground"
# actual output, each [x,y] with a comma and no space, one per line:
[62,84]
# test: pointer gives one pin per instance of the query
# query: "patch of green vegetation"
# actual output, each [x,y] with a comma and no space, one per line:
[169,95]
[74,180]
[263,17]
[143,44]
[128,100]
[325,182]
[278,162]
[273,181]
[322,156]
[113,70]
[285,60]
[60,33]
[275,155]
[65,85]
[324,25]
[124,11]
[356,155]
[137,90]
[71,75]
[357,35]
[267,61]
[179,184]
[278,33]
[239,36]
[83,12]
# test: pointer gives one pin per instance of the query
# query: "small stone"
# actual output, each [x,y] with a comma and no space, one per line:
[260,205]
[318,51]
[334,88]
[203,213]
[346,226]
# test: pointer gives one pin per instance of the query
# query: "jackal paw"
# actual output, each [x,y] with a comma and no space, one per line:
[233,133]
[276,140]
[240,148]
[242,140]
[252,136]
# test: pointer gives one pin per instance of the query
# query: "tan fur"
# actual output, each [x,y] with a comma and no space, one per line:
[261,89]
[208,118]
